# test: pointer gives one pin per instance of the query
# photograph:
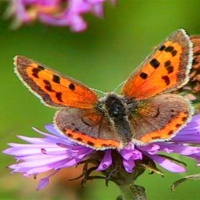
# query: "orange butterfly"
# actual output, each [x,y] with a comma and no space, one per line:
[145,112]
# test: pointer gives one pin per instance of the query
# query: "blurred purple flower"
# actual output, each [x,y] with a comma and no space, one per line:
[55,151]
[55,12]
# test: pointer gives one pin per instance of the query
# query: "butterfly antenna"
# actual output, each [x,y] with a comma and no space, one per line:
[119,86]
[96,90]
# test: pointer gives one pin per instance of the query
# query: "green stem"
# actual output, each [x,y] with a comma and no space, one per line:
[132,192]
[126,192]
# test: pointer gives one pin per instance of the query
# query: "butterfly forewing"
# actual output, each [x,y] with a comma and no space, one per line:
[165,70]
[53,88]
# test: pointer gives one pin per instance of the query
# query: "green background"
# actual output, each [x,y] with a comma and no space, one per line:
[101,57]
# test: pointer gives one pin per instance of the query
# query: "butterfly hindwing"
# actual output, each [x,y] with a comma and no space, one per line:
[160,117]
[87,127]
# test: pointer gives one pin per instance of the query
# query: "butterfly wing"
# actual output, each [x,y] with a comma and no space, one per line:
[160,118]
[53,88]
[87,127]
[166,69]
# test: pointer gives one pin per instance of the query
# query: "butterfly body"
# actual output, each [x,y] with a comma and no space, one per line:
[145,112]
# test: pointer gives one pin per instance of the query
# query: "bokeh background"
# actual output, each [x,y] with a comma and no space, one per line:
[101,57]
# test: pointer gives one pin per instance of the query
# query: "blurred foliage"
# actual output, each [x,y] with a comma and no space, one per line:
[101,57]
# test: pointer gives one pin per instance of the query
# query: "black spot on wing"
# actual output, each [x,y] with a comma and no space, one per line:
[56,79]
[166,79]
[155,63]
[69,134]
[90,143]
[172,110]
[79,139]
[72,86]
[48,86]
[171,50]
[76,129]
[143,75]
[35,71]
[162,48]
[174,52]
[59,96]
[184,119]
[178,125]
[170,132]
[169,67]
[167,63]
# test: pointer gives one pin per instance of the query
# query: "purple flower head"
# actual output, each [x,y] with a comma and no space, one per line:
[56,12]
[54,151]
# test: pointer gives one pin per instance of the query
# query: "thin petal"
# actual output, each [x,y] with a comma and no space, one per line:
[106,161]
[167,164]
[43,183]
[129,165]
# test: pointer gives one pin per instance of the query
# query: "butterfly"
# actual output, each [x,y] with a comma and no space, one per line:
[146,111]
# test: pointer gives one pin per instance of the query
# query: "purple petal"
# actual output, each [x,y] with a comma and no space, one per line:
[130,152]
[167,164]
[54,12]
[106,161]
[43,183]
[150,148]
[190,133]
[51,152]
[129,165]
[179,148]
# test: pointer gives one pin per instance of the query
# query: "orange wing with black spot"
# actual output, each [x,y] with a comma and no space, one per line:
[166,69]
[53,88]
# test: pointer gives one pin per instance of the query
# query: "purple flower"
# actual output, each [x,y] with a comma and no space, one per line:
[56,12]
[55,151]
